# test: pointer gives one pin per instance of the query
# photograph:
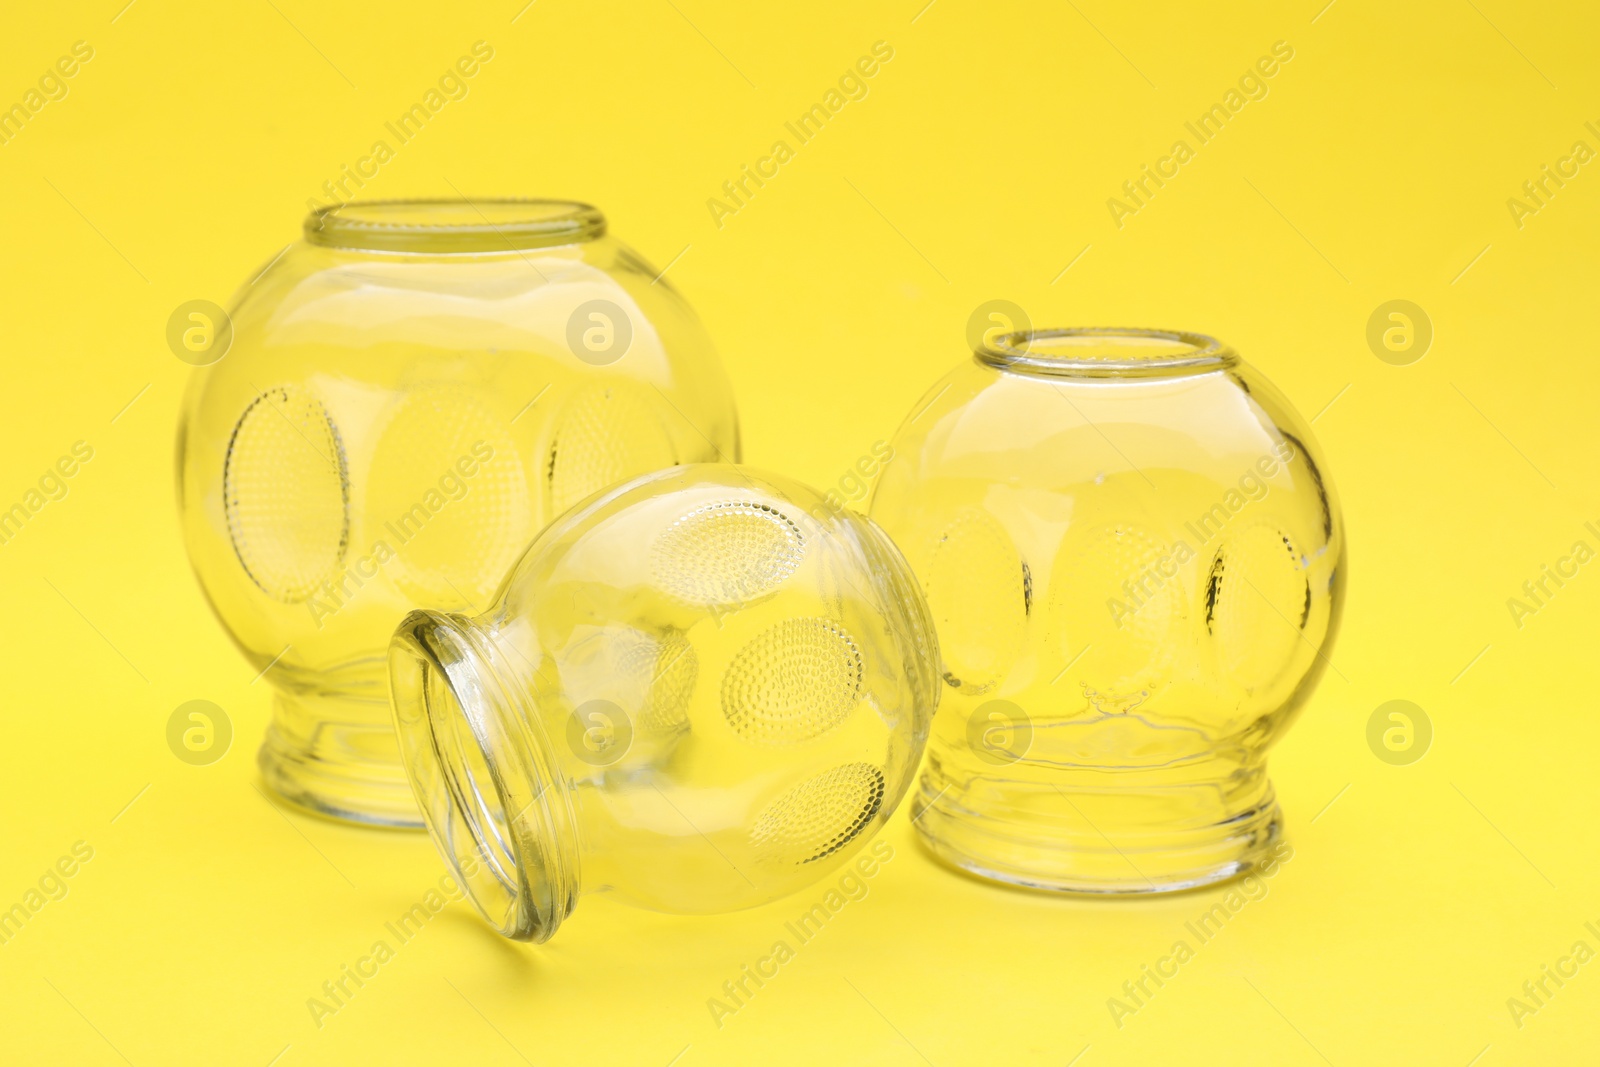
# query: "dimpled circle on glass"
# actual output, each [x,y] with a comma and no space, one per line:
[447,490]
[664,671]
[793,682]
[1256,601]
[286,491]
[819,816]
[1120,607]
[978,588]
[648,674]
[726,553]
[607,434]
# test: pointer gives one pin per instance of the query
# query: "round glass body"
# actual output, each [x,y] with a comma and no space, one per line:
[1135,562]
[701,691]
[412,392]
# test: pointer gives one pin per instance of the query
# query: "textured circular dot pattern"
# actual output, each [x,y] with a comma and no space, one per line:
[793,682]
[286,493]
[664,672]
[1121,596]
[1257,600]
[607,434]
[727,553]
[820,816]
[980,596]
[448,492]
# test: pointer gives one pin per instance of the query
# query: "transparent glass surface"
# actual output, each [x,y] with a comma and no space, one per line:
[412,391]
[1135,560]
[700,691]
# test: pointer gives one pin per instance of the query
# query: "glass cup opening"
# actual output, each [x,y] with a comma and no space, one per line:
[447,226]
[485,798]
[1106,352]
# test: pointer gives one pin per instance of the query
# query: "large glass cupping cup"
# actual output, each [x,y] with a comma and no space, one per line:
[1135,562]
[700,691]
[412,391]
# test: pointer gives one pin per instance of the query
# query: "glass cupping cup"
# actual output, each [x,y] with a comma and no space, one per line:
[1135,562]
[700,691]
[412,391]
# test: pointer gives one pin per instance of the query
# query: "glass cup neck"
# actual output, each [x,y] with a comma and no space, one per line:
[1105,352]
[491,794]
[436,227]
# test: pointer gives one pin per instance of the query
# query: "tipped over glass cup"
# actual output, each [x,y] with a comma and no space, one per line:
[699,691]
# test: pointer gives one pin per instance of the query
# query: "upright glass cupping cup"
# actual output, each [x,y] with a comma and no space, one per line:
[1135,563]
[412,391]
[700,691]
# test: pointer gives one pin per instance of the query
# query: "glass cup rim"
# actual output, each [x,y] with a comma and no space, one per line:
[481,769]
[453,224]
[1015,351]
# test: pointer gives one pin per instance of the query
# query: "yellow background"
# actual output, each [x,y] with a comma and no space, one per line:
[978,167]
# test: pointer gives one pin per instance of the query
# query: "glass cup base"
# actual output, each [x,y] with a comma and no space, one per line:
[1078,833]
[338,757]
